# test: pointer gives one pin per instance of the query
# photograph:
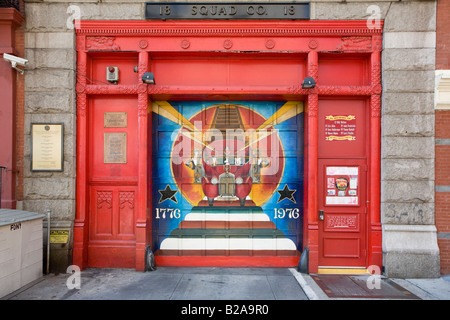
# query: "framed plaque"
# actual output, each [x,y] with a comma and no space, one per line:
[47,146]
[115,120]
[115,147]
[342,186]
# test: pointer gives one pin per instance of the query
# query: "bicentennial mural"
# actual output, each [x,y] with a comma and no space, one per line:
[227,178]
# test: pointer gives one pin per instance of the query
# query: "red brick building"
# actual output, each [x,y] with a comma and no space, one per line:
[442,118]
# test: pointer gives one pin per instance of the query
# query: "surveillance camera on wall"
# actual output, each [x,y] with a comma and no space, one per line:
[15,61]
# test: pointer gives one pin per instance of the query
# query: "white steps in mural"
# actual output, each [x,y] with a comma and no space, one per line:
[228,230]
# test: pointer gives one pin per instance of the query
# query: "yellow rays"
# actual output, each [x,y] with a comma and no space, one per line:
[164,109]
[288,110]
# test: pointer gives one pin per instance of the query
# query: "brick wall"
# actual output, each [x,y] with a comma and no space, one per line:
[442,150]
[442,164]
[443,35]
[442,197]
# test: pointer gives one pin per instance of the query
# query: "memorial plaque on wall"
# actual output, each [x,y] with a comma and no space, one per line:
[115,120]
[115,147]
[340,127]
[47,146]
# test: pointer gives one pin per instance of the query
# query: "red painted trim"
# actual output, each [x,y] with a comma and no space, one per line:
[162,37]
[81,225]
[374,218]
[224,261]
[208,28]
[141,216]
[10,20]
[312,160]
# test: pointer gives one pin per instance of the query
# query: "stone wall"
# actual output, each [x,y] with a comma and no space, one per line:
[408,59]
[408,63]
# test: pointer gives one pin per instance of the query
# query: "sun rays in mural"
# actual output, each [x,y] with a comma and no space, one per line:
[201,130]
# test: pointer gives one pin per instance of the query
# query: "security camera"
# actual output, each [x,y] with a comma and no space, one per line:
[15,61]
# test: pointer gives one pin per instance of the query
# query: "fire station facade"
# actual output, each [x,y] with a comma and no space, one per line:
[254,134]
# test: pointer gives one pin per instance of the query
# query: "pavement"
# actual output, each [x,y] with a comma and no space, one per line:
[226,284]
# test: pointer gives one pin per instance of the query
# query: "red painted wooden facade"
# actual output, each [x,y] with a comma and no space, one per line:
[214,60]
[10,20]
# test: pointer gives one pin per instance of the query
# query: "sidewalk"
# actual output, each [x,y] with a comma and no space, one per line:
[169,283]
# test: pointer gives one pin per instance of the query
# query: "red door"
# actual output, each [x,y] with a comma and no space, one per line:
[112,182]
[342,212]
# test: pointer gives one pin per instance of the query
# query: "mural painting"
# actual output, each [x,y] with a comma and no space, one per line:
[227,178]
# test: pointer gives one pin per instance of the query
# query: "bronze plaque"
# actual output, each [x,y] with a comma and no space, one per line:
[115,147]
[47,147]
[115,120]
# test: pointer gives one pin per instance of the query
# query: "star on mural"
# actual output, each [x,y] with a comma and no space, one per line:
[168,194]
[286,194]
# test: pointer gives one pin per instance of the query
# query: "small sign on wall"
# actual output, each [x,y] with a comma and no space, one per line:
[115,119]
[342,185]
[227,10]
[47,146]
[115,147]
[340,128]
[59,236]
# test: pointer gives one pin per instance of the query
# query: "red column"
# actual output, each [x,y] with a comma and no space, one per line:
[312,162]
[374,237]
[80,237]
[10,19]
[141,218]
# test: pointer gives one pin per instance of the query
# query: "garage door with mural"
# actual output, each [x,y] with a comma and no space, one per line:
[227,180]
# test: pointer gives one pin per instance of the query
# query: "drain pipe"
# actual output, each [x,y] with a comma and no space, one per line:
[1,172]
[48,240]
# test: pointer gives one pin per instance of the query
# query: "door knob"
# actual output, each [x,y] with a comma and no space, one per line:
[321,217]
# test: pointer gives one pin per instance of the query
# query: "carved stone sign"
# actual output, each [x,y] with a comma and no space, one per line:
[232,10]
[115,147]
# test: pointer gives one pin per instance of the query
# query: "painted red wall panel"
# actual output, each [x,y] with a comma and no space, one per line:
[125,62]
[225,72]
[98,170]
[342,128]
[350,70]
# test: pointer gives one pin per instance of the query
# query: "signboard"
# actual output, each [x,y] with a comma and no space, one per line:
[47,147]
[340,128]
[115,147]
[224,11]
[115,120]
[59,236]
[342,186]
